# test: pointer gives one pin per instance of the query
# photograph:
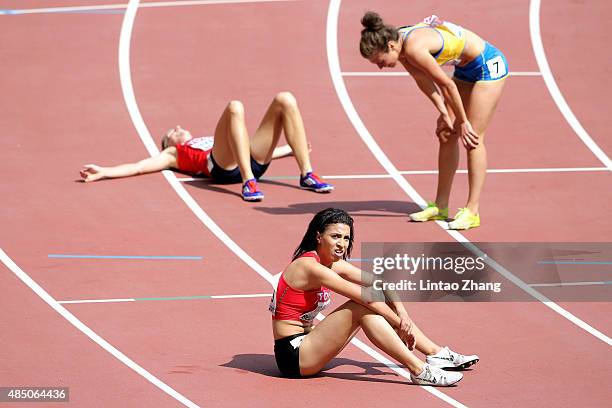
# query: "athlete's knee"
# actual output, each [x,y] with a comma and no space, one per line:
[286,100]
[358,310]
[235,108]
[448,139]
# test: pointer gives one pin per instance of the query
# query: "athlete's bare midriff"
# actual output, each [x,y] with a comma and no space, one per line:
[284,328]
[474,46]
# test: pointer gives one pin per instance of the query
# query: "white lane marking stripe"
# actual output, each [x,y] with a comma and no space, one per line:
[405,74]
[423,172]
[334,68]
[157,298]
[256,295]
[347,104]
[123,6]
[556,284]
[555,92]
[25,278]
[70,302]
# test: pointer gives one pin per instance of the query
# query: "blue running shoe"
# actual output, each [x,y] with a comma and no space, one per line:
[313,182]
[250,191]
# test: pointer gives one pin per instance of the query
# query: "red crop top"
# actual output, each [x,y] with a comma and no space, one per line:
[294,304]
[193,156]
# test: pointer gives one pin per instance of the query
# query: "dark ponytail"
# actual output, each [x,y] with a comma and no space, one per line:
[318,224]
[375,35]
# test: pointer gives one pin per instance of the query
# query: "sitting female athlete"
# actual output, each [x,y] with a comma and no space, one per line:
[466,102]
[230,157]
[319,266]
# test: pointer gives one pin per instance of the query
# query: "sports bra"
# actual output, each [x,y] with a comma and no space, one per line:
[294,304]
[453,38]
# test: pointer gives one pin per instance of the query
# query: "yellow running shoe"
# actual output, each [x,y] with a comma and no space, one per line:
[432,212]
[464,219]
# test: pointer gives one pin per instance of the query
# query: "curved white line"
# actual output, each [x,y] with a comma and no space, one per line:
[347,104]
[145,136]
[25,278]
[555,92]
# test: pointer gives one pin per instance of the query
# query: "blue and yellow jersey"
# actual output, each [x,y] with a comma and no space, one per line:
[453,39]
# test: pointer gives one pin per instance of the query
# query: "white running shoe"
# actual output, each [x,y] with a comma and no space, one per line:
[447,358]
[436,377]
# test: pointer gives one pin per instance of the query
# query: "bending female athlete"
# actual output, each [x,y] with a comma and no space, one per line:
[319,266]
[230,157]
[466,102]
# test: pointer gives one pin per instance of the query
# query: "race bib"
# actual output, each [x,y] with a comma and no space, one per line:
[202,143]
[496,67]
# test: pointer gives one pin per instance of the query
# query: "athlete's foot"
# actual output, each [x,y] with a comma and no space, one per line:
[315,183]
[432,212]
[250,191]
[464,219]
[448,359]
[436,377]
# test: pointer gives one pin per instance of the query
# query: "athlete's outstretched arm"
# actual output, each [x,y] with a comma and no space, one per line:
[165,160]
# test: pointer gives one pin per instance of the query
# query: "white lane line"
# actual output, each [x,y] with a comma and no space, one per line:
[557,284]
[334,68]
[555,92]
[347,104]
[257,295]
[25,278]
[70,302]
[145,135]
[73,9]
[424,172]
[405,74]
[254,295]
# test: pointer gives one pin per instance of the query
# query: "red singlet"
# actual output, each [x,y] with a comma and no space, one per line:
[294,304]
[193,156]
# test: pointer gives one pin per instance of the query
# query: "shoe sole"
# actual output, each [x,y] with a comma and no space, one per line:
[320,190]
[251,199]
[462,228]
[436,218]
[457,368]
[428,384]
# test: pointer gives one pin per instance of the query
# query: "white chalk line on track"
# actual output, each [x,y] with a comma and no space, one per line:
[551,84]
[47,298]
[426,172]
[260,295]
[92,8]
[349,108]
[145,136]
[203,297]
[405,74]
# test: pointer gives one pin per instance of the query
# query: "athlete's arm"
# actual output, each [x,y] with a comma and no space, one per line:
[165,160]
[445,122]
[417,52]
[355,275]
[333,281]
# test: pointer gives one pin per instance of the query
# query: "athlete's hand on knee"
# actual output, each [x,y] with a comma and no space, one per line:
[91,172]
[468,136]
[444,127]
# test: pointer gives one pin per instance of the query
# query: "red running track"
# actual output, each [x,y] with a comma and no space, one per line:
[66,109]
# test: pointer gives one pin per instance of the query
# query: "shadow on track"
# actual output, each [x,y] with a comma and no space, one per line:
[264,364]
